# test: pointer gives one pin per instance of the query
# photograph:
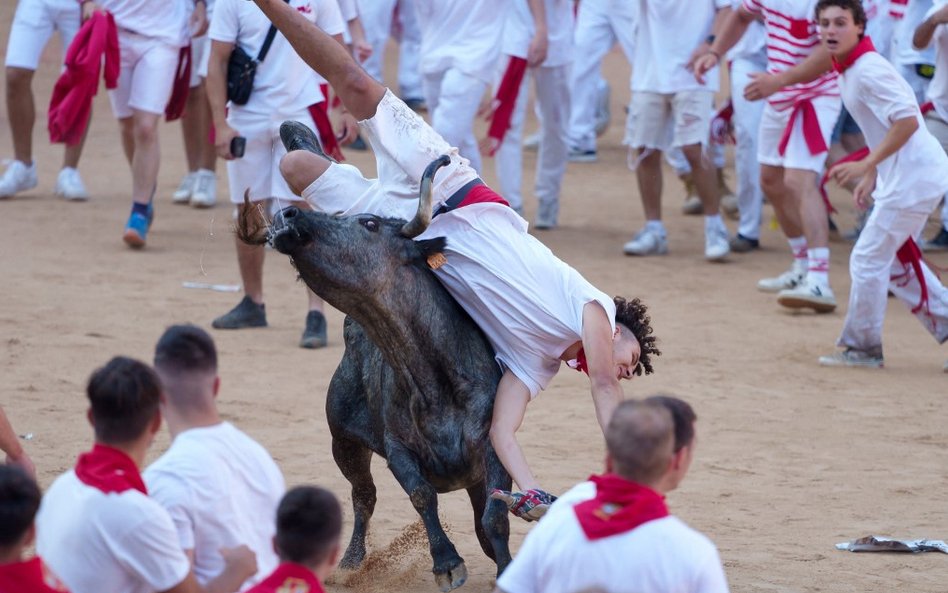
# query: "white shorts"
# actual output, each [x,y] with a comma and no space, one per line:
[33,25]
[147,76]
[797,155]
[200,55]
[259,169]
[651,115]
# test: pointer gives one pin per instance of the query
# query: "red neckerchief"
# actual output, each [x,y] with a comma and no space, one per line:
[811,128]
[504,101]
[579,363]
[181,87]
[289,577]
[863,47]
[109,470]
[30,576]
[620,505]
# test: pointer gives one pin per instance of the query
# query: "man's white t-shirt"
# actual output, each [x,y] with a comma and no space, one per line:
[903,51]
[938,88]
[283,84]
[660,556]
[519,31]
[669,31]
[876,95]
[221,489]
[158,19]
[108,543]
[462,35]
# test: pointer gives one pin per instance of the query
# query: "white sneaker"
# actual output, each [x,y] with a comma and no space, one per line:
[646,242]
[69,185]
[18,177]
[716,245]
[532,142]
[851,357]
[808,296]
[205,190]
[789,279]
[182,195]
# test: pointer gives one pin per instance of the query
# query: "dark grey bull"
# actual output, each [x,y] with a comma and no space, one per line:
[417,381]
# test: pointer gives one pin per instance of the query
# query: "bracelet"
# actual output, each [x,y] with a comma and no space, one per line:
[710,39]
[716,55]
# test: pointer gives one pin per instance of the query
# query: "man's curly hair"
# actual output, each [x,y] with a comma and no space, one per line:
[634,315]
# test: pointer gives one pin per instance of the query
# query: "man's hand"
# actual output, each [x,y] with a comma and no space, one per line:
[536,53]
[223,134]
[349,128]
[762,85]
[197,24]
[361,50]
[846,173]
[240,561]
[529,505]
[862,193]
[700,65]
[88,9]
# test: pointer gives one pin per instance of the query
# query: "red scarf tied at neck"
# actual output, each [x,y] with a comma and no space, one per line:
[620,505]
[109,470]
[863,47]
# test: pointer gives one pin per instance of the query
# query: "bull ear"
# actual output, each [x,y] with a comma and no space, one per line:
[429,250]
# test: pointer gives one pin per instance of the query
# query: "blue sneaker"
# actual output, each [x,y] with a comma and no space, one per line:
[136,229]
[151,213]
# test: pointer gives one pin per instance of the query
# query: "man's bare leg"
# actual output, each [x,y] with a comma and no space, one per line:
[21,112]
[787,210]
[301,168]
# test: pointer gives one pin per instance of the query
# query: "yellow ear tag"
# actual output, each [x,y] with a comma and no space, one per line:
[436,260]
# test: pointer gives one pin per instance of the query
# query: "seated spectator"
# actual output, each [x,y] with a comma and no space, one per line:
[19,501]
[308,524]
[613,532]
[214,480]
[97,528]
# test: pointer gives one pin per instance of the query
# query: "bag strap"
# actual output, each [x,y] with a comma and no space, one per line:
[271,34]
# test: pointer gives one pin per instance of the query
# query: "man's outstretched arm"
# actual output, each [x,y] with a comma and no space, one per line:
[358,91]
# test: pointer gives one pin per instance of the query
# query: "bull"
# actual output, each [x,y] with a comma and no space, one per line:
[417,381]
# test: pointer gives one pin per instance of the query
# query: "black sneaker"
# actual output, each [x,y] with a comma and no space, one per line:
[314,336]
[246,314]
[416,104]
[937,243]
[358,144]
[741,244]
[298,136]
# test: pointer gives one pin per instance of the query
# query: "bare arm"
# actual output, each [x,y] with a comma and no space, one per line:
[10,444]
[510,404]
[217,96]
[239,565]
[865,170]
[729,27]
[926,30]
[597,344]
[811,68]
[539,45]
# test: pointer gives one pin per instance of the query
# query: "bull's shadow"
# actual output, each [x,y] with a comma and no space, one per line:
[417,381]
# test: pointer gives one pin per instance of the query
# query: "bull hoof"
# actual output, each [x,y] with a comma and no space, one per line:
[451,579]
[353,558]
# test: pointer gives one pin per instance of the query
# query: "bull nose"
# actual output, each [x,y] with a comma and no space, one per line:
[291,212]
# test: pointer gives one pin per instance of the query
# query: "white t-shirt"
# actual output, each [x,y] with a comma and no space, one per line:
[880,24]
[108,543]
[159,19]
[283,84]
[519,31]
[528,302]
[221,489]
[876,95]
[461,34]
[669,30]
[903,52]
[792,35]
[348,9]
[660,556]
[753,43]
[938,88]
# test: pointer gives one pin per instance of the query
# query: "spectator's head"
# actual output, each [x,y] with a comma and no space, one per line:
[635,336]
[842,24]
[186,362]
[308,525]
[123,402]
[19,501]
[640,442]
[683,416]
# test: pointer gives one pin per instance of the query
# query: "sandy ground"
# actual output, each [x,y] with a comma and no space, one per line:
[792,457]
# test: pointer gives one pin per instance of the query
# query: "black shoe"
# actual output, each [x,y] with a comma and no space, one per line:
[246,314]
[314,335]
[937,243]
[416,104]
[741,244]
[298,136]
[358,144]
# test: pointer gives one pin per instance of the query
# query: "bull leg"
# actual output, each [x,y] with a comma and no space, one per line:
[354,460]
[449,569]
[496,520]
[478,496]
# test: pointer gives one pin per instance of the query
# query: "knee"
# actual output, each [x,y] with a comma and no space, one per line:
[18,80]
[693,154]
[771,183]
[800,183]
[145,130]
[301,168]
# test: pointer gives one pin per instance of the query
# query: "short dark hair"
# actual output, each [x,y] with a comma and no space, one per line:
[19,501]
[634,315]
[640,439]
[124,396]
[683,415]
[853,6]
[308,524]
[185,348]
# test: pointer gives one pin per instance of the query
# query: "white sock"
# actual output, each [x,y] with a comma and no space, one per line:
[656,226]
[818,266]
[798,249]
[713,223]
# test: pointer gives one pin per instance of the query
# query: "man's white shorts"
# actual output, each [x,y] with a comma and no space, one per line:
[259,169]
[33,25]
[147,76]
[687,114]
[200,55]
[797,155]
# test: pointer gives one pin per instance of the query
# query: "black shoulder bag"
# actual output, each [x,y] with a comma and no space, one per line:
[241,69]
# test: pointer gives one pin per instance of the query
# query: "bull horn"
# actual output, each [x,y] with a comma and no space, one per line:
[423,217]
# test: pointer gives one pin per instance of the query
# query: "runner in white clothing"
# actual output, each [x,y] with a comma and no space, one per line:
[905,173]
[535,309]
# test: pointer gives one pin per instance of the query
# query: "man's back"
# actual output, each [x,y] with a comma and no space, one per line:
[221,489]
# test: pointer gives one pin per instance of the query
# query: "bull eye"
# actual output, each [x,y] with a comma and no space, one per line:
[371,224]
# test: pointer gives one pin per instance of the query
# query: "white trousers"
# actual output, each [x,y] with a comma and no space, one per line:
[599,25]
[453,98]
[746,123]
[409,48]
[875,270]
[552,96]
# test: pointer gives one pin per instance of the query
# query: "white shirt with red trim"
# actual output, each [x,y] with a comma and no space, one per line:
[221,489]
[880,24]
[519,31]
[462,35]
[938,88]
[283,85]
[876,96]
[792,36]
[108,543]
[660,556]
[669,31]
